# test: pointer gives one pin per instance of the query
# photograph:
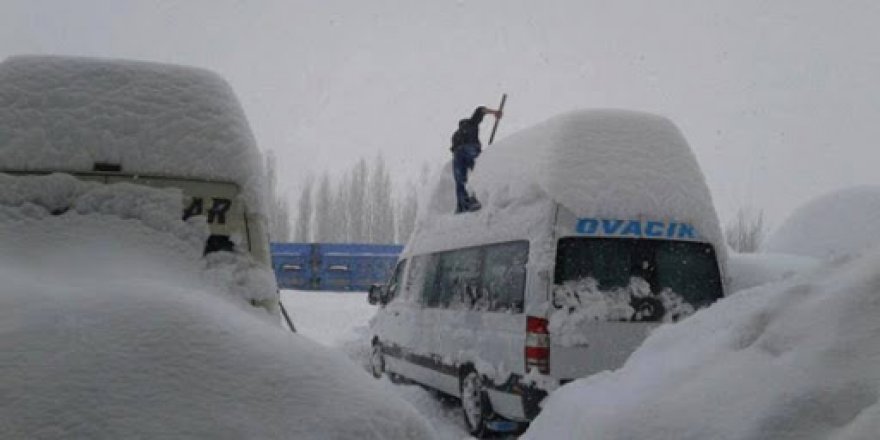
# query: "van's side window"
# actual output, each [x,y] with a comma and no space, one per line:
[458,278]
[425,276]
[395,283]
[504,276]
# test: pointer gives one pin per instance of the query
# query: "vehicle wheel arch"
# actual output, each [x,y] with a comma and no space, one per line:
[480,404]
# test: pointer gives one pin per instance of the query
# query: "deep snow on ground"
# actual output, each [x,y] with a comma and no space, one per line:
[113,326]
[745,271]
[835,225]
[340,320]
[797,359]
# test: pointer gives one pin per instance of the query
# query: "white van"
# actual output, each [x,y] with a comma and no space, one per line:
[596,226]
[157,125]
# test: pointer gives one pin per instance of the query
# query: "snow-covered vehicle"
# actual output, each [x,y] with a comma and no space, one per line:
[113,325]
[162,126]
[116,318]
[595,227]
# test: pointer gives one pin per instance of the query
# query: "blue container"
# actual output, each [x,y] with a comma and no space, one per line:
[332,267]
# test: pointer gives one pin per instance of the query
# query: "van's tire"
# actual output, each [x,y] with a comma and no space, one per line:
[377,360]
[475,404]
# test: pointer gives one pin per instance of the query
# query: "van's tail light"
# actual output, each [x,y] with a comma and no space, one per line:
[537,345]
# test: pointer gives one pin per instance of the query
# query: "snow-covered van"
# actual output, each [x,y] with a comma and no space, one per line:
[164,126]
[596,226]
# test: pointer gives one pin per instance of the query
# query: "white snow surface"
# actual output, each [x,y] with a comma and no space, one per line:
[749,270]
[66,113]
[790,360]
[112,325]
[597,163]
[340,320]
[838,224]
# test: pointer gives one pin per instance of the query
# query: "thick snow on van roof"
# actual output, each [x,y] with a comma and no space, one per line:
[66,114]
[837,224]
[597,163]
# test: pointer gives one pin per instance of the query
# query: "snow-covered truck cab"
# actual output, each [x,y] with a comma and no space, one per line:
[162,126]
[596,226]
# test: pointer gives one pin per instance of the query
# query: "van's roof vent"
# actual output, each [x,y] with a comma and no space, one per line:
[104,166]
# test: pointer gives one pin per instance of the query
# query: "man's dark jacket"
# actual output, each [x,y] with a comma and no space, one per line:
[469,129]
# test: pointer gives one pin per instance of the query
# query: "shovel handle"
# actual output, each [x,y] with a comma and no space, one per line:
[500,109]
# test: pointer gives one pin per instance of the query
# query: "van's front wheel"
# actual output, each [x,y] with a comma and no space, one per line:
[475,403]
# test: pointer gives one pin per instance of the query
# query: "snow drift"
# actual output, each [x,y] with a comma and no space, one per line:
[113,325]
[792,360]
[754,269]
[839,224]
[65,114]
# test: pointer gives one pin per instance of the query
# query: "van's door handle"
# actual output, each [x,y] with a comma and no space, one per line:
[395,313]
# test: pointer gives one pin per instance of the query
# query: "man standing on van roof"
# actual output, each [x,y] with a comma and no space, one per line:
[465,149]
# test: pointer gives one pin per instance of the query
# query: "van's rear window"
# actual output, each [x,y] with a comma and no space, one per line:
[689,269]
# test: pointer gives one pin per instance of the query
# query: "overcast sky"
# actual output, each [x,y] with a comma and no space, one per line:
[779,101]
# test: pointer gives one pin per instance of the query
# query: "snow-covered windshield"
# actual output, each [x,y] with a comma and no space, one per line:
[689,269]
[218,202]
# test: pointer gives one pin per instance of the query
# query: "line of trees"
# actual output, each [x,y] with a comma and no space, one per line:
[361,207]
[279,208]
[358,207]
[746,231]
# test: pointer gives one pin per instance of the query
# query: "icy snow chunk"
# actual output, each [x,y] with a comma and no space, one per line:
[581,302]
[66,114]
[37,196]
[31,198]
[839,224]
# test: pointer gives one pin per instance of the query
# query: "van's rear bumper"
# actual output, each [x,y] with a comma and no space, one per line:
[528,397]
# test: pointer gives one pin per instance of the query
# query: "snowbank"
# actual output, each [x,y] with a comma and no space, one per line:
[749,270]
[839,224]
[340,320]
[792,360]
[113,326]
[65,114]
[596,163]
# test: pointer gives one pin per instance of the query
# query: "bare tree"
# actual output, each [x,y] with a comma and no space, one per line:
[360,207]
[381,211]
[304,213]
[408,205]
[406,213]
[357,206]
[323,211]
[745,232]
[279,208]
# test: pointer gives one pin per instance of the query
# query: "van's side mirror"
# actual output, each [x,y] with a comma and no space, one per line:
[374,295]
